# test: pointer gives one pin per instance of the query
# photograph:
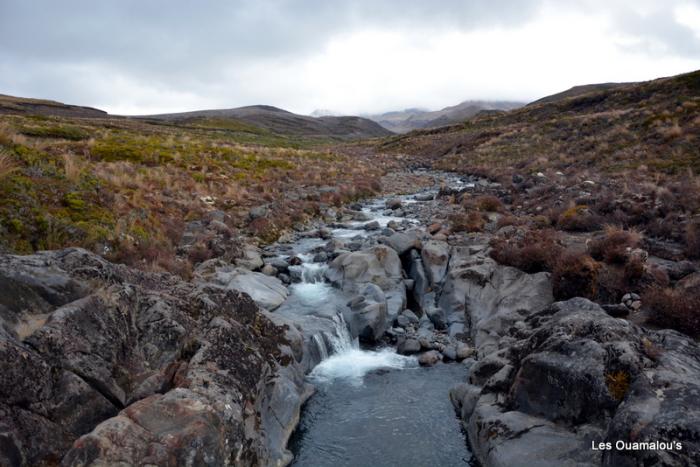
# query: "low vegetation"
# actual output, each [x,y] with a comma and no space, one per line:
[127,188]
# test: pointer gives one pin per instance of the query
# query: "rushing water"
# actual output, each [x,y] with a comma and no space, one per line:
[372,407]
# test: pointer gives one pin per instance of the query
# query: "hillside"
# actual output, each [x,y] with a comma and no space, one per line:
[578,91]
[26,106]
[406,120]
[130,188]
[652,124]
[281,121]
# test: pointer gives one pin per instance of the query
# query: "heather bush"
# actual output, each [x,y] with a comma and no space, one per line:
[537,250]
[575,275]
[675,309]
[614,244]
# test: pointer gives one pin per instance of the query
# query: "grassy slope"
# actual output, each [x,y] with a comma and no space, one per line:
[127,187]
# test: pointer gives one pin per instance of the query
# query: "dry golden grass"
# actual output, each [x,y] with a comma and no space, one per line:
[7,164]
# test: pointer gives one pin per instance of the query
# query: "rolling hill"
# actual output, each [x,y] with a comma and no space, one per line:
[282,122]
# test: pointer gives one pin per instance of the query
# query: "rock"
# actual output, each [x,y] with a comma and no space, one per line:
[368,314]
[464,351]
[572,375]
[401,242]
[408,346]
[269,270]
[434,228]
[394,203]
[617,310]
[268,292]
[411,316]
[251,259]
[435,256]
[257,212]
[429,358]
[136,368]
[632,301]
[436,316]
[464,397]
[424,197]
[516,178]
[374,225]
[379,265]
[449,353]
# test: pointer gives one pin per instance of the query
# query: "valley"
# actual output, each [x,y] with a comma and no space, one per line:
[255,287]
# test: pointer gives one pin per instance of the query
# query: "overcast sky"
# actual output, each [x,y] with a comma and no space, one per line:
[357,56]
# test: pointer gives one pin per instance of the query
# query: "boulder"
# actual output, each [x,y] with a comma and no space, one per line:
[429,358]
[403,241]
[368,314]
[251,258]
[408,346]
[435,255]
[394,203]
[268,292]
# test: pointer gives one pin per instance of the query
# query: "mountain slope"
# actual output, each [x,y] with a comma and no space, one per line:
[578,91]
[406,120]
[283,122]
[655,124]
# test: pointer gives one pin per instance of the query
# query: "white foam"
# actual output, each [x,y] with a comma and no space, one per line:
[353,364]
[312,293]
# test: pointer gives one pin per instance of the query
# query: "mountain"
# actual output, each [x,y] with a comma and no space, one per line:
[406,120]
[22,105]
[282,122]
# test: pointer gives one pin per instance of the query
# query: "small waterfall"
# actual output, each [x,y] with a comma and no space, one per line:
[321,346]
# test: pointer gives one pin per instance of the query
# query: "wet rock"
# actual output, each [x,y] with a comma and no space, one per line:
[449,353]
[368,314]
[429,358]
[394,203]
[408,346]
[374,225]
[269,270]
[424,197]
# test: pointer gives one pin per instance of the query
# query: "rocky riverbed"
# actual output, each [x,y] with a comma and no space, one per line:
[102,364]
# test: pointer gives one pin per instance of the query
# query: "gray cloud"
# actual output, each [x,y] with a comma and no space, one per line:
[146,52]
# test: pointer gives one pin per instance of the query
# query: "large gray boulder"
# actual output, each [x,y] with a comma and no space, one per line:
[267,291]
[137,368]
[435,255]
[571,375]
[379,266]
[368,314]
[494,297]
[402,242]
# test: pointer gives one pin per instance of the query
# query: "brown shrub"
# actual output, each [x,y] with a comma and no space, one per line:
[489,203]
[536,251]
[575,275]
[7,164]
[472,222]
[578,219]
[612,246]
[675,309]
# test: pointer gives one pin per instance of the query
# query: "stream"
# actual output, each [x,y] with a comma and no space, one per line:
[372,406]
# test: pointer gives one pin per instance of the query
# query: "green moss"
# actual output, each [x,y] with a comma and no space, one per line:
[16,226]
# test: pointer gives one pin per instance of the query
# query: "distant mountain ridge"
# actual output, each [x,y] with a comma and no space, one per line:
[284,122]
[403,121]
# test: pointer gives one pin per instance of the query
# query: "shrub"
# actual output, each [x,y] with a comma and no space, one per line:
[575,275]
[675,309]
[612,247]
[68,132]
[578,218]
[472,222]
[489,203]
[536,251]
